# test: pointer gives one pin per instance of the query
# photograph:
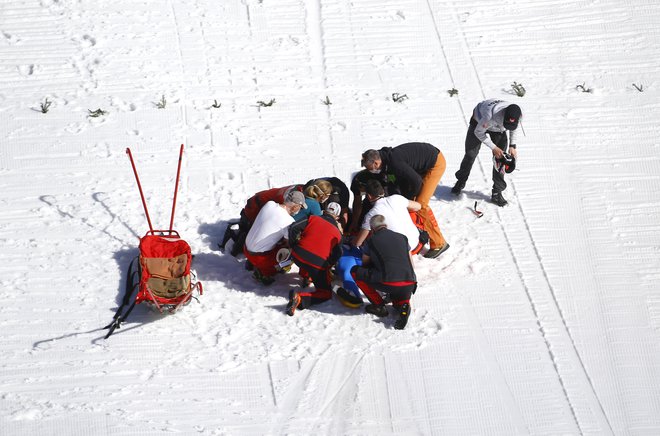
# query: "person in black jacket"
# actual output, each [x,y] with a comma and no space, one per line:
[418,168]
[386,267]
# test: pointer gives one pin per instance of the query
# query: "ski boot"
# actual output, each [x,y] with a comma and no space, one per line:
[404,314]
[497,199]
[294,302]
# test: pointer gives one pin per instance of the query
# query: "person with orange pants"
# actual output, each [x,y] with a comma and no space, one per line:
[417,168]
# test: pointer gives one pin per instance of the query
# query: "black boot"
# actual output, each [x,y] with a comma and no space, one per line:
[239,243]
[435,252]
[229,234]
[458,187]
[264,280]
[497,199]
[404,313]
[376,309]
[294,302]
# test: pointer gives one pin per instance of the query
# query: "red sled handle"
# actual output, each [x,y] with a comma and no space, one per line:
[176,186]
[163,233]
[176,189]
[137,179]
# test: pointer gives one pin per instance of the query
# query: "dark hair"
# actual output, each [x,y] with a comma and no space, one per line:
[374,188]
[370,156]
[333,197]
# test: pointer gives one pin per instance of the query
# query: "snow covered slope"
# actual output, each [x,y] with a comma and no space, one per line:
[543,318]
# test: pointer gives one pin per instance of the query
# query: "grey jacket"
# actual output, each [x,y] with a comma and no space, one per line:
[489,115]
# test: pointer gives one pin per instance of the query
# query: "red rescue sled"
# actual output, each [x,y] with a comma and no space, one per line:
[161,273]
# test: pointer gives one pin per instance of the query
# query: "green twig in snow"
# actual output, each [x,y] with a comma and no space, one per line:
[266,104]
[45,105]
[399,98]
[518,89]
[97,113]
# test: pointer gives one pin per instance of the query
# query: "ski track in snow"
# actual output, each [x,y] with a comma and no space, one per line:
[543,318]
[559,323]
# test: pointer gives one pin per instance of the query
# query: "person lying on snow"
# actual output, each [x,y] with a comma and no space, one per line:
[315,248]
[349,294]
[269,233]
[386,267]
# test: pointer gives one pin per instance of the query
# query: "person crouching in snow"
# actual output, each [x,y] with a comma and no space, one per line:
[315,194]
[490,121]
[396,210]
[386,267]
[339,193]
[249,214]
[269,233]
[315,248]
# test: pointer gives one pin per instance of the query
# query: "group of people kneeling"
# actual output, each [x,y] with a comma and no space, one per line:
[369,246]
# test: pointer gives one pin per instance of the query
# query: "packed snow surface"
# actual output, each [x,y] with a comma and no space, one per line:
[543,318]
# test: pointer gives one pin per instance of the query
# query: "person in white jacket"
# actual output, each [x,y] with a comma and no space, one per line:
[396,211]
[490,122]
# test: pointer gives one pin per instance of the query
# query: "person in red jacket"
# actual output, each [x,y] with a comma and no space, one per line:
[315,247]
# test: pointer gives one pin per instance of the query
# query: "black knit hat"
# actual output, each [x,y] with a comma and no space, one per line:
[511,117]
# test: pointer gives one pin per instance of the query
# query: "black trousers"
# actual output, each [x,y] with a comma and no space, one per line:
[472,146]
[322,285]
[244,226]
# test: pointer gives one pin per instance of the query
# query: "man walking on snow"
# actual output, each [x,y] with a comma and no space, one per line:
[491,119]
